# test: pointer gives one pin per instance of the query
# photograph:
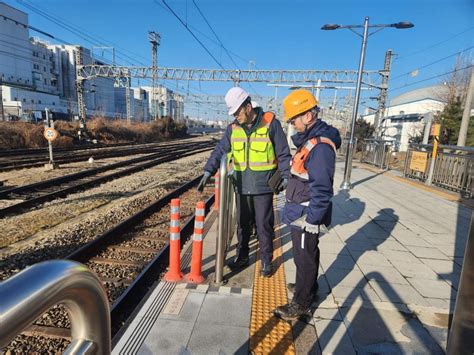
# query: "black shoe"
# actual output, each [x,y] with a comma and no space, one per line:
[267,270]
[291,287]
[291,311]
[239,263]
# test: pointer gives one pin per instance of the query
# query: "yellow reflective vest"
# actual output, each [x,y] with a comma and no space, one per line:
[254,151]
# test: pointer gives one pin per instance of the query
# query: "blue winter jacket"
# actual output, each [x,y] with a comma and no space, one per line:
[250,182]
[318,189]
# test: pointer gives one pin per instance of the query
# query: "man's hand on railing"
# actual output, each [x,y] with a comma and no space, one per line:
[205,179]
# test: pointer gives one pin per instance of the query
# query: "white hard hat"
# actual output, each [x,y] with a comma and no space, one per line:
[234,98]
[255,104]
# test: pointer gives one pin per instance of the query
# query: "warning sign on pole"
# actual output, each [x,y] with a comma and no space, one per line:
[50,134]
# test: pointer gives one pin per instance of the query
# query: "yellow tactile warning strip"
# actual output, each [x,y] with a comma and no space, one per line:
[269,334]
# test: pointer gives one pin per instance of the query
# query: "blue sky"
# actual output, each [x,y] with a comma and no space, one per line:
[277,34]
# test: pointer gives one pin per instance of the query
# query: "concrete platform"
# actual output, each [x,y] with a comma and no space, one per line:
[389,274]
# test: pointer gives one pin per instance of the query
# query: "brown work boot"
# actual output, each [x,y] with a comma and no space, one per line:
[291,311]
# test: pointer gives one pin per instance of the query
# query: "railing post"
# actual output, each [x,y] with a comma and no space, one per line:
[461,336]
[28,294]
[221,226]
[226,219]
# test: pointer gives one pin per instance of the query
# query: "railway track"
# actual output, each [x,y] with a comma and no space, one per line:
[128,259]
[22,159]
[32,195]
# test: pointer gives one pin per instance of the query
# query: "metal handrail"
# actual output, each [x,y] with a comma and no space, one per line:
[226,222]
[442,146]
[28,294]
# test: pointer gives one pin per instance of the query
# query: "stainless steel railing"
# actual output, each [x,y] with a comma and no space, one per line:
[227,219]
[28,294]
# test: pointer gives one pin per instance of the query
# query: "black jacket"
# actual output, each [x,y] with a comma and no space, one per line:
[249,182]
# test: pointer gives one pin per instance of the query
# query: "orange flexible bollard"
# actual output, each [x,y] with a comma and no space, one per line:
[195,275]
[174,271]
[216,190]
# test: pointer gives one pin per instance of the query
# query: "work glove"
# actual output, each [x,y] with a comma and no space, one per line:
[283,185]
[205,179]
[308,227]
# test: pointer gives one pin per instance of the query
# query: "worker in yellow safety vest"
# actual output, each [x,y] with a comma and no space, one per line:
[257,146]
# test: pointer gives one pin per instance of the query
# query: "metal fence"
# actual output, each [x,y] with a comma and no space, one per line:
[376,152]
[453,167]
[343,148]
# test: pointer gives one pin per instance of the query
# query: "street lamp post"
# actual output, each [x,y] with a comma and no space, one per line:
[346,183]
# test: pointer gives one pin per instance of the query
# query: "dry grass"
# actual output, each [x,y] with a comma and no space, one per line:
[30,135]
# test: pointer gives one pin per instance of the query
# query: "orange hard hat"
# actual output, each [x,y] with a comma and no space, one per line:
[297,102]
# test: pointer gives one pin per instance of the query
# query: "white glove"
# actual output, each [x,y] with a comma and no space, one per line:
[308,227]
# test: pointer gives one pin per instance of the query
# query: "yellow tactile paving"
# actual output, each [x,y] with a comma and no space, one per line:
[269,334]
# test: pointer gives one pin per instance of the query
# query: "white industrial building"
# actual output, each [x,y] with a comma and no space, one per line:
[407,114]
[35,75]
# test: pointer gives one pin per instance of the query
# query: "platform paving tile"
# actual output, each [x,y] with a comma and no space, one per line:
[344,277]
[190,309]
[327,313]
[383,274]
[403,256]
[333,337]
[369,257]
[389,244]
[336,261]
[428,252]
[208,338]
[391,331]
[417,269]
[395,293]
[452,251]
[442,267]
[433,288]
[167,337]
[228,309]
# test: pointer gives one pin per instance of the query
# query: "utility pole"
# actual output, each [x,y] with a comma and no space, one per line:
[154,38]
[80,93]
[2,112]
[383,92]
[466,115]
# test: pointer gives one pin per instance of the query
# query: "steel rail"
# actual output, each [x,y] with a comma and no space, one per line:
[67,157]
[22,206]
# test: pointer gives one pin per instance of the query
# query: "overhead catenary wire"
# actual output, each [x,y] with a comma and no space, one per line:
[432,63]
[430,78]
[220,42]
[435,45]
[192,34]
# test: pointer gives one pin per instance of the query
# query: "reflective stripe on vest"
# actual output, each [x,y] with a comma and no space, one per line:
[255,151]
[297,163]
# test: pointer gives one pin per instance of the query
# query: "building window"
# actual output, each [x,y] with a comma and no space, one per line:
[32,101]
[45,81]
[54,103]
[39,101]
[44,69]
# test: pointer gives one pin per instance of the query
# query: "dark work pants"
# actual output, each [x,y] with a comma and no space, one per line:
[306,257]
[260,209]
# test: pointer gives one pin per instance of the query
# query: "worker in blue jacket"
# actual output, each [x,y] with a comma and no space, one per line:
[257,145]
[308,204]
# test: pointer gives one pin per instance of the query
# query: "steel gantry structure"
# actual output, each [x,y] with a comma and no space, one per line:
[371,79]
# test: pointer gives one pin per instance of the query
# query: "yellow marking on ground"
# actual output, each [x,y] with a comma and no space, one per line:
[269,334]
